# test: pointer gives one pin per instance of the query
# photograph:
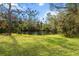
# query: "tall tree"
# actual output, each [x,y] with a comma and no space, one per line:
[9,19]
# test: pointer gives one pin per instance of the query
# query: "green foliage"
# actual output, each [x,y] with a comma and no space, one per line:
[3,26]
[65,22]
[52,22]
[68,21]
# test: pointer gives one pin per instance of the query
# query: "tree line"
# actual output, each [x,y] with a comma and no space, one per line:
[17,21]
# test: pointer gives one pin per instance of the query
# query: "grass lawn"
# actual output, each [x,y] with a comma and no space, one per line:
[38,45]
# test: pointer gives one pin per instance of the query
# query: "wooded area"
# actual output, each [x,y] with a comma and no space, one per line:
[18,21]
[23,33]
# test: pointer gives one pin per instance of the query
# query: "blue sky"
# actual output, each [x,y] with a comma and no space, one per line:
[42,8]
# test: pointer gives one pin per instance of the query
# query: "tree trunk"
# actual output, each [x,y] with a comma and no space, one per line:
[9,19]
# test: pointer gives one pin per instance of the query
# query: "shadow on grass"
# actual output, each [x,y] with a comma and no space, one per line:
[63,43]
[15,49]
[23,51]
[9,48]
[35,49]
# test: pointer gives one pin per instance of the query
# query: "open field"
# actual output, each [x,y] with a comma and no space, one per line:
[38,45]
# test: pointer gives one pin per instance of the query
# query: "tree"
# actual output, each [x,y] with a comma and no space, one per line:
[32,19]
[52,22]
[68,22]
[9,19]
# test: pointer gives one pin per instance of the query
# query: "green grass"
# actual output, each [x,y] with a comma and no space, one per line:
[38,45]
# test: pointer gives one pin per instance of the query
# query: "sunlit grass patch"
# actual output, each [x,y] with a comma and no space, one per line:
[33,45]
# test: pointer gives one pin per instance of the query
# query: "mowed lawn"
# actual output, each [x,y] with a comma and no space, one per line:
[38,45]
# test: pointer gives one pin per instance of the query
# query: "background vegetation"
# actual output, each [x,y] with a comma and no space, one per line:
[65,22]
[64,26]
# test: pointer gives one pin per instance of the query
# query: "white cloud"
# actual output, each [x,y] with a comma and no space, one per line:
[0,3]
[6,5]
[45,14]
[13,4]
[41,4]
[52,13]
